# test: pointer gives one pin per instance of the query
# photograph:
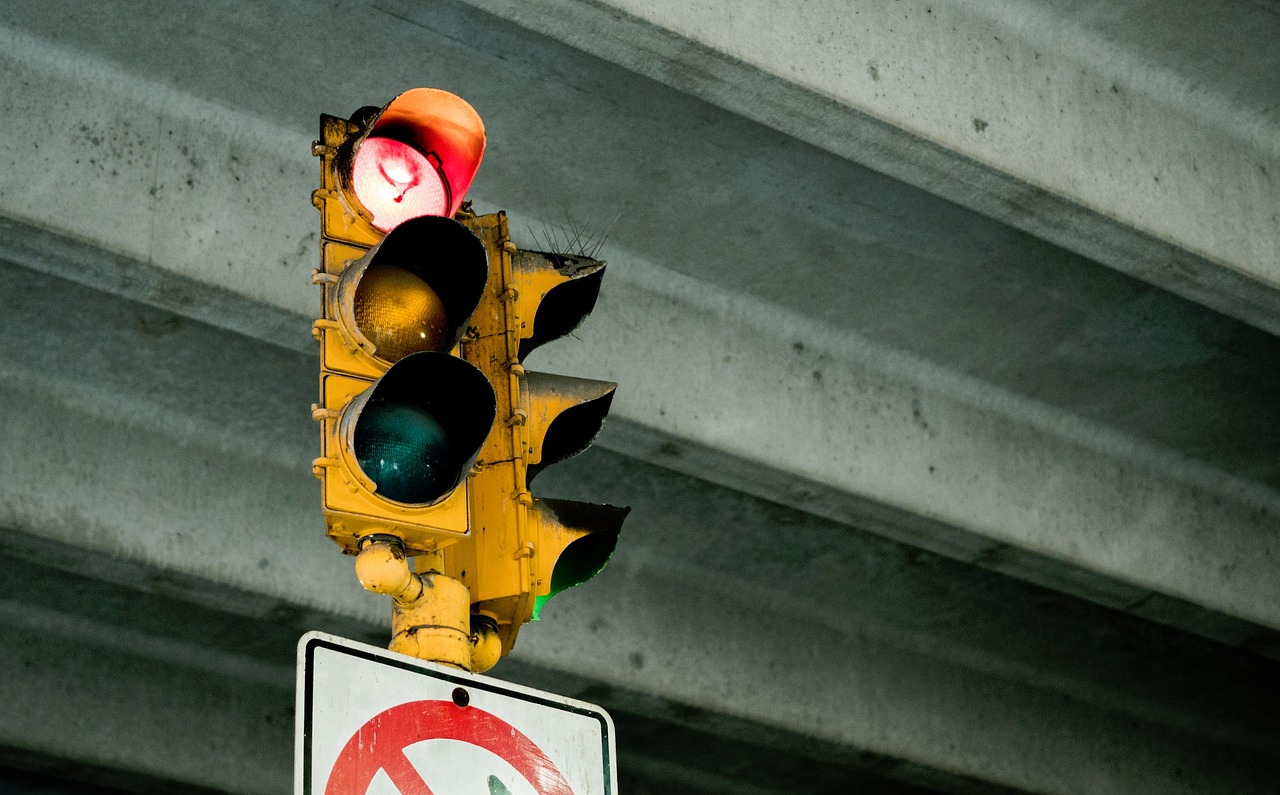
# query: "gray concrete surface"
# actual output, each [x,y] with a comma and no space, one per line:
[951,445]
[1139,135]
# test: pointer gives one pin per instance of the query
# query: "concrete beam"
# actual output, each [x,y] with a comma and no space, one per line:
[784,322]
[151,695]
[1103,130]
[869,437]
[174,696]
[179,160]
[143,442]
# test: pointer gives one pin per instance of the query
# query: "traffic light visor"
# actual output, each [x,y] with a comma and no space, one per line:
[418,157]
[416,432]
[590,532]
[565,416]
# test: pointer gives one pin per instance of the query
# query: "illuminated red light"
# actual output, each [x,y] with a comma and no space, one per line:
[396,182]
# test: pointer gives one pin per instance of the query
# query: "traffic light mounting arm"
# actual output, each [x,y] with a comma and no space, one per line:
[431,619]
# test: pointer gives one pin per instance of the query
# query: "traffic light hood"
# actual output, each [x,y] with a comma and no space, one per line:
[582,535]
[565,416]
[561,288]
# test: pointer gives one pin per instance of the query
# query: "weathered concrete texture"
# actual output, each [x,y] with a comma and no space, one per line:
[115,706]
[998,481]
[716,602]
[135,168]
[164,657]
[813,356]
[1104,130]
[830,408]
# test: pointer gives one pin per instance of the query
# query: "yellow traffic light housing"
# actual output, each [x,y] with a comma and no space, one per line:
[431,426]
[531,298]
[391,317]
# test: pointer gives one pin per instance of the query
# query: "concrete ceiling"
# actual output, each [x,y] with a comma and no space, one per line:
[946,337]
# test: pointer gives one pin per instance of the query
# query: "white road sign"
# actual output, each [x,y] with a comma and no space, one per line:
[371,722]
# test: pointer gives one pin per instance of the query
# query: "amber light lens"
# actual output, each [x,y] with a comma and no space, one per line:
[399,313]
[396,182]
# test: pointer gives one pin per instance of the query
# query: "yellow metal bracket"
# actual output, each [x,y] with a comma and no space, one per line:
[431,617]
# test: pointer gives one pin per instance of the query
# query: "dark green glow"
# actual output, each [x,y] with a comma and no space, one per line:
[406,452]
[580,561]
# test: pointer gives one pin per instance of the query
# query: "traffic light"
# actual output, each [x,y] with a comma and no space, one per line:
[532,298]
[431,427]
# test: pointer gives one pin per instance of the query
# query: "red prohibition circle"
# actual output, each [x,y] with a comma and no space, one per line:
[379,745]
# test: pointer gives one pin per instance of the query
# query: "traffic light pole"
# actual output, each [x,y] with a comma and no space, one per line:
[431,616]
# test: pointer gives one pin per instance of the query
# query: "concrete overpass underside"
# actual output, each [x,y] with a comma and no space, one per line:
[947,345]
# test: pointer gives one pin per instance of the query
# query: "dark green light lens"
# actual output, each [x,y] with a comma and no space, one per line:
[406,452]
[580,561]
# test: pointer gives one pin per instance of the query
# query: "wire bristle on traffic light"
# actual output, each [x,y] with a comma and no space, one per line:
[431,428]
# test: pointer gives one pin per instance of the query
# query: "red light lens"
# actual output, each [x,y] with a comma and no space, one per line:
[396,182]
